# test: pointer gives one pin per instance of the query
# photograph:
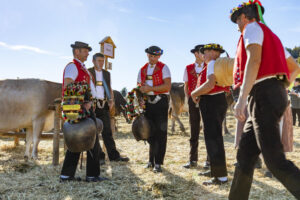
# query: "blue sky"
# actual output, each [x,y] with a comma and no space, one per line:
[35,35]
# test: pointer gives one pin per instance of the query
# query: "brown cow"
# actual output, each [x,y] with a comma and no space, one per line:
[24,104]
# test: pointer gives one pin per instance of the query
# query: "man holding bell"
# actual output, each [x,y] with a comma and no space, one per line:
[213,106]
[190,78]
[155,80]
[262,71]
[77,72]
[104,98]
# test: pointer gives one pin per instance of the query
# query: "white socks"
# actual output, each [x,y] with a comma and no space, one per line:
[223,178]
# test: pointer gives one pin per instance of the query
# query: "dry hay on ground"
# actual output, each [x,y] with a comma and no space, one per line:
[39,180]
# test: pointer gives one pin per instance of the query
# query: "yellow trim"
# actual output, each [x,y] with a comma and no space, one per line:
[71,107]
[74,97]
[72,116]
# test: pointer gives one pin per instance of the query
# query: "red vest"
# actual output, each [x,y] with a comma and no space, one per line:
[192,78]
[83,74]
[202,79]
[157,76]
[273,60]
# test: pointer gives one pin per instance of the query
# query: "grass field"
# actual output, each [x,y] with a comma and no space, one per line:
[39,179]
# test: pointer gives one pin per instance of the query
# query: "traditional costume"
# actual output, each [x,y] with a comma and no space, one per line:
[102,82]
[267,101]
[213,107]
[157,107]
[77,71]
[191,74]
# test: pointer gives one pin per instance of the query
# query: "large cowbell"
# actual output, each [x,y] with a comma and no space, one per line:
[141,128]
[81,136]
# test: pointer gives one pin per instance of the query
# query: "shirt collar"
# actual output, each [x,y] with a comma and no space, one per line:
[82,64]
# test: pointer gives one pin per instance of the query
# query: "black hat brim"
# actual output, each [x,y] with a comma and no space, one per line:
[237,13]
[80,47]
[151,53]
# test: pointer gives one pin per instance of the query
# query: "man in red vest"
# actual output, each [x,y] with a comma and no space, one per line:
[190,78]
[77,72]
[213,108]
[261,71]
[155,78]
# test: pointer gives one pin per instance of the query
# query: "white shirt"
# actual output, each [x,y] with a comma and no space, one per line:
[165,73]
[72,73]
[198,69]
[210,68]
[99,89]
[253,34]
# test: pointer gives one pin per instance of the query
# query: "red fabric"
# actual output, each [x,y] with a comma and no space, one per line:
[83,74]
[202,79]
[273,61]
[157,76]
[192,78]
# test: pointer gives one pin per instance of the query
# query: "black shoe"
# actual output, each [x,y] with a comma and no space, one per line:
[149,165]
[268,174]
[190,164]
[207,174]
[102,162]
[121,159]
[71,178]
[157,169]
[214,181]
[206,165]
[95,179]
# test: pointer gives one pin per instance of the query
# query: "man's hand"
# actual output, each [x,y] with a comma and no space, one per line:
[195,99]
[239,109]
[145,89]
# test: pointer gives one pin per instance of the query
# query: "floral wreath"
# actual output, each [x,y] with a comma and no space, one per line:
[75,95]
[251,2]
[212,46]
[135,108]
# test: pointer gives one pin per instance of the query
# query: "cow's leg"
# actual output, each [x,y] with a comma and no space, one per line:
[173,126]
[28,142]
[38,126]
[180,124]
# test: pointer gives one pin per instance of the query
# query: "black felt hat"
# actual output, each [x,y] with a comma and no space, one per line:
[154,50]
[79,45]
[197,48]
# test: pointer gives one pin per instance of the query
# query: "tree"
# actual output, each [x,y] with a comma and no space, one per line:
[295,52]
[124,92]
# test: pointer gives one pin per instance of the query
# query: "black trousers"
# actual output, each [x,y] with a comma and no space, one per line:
[107,136]
[194,119]
[266,104]
[296,113]
[213,110]
[92,163]
[157,114]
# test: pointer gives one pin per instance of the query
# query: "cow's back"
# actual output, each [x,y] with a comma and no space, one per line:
[24,100]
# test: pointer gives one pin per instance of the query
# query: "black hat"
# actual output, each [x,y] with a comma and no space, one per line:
[154,50]
[237,11]
[197,48]
[79,45]
[212,46]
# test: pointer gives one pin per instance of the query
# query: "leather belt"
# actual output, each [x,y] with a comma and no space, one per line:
[99,83]
[149,77]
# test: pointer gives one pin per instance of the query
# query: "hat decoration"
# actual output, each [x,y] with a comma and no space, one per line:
[251,2]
